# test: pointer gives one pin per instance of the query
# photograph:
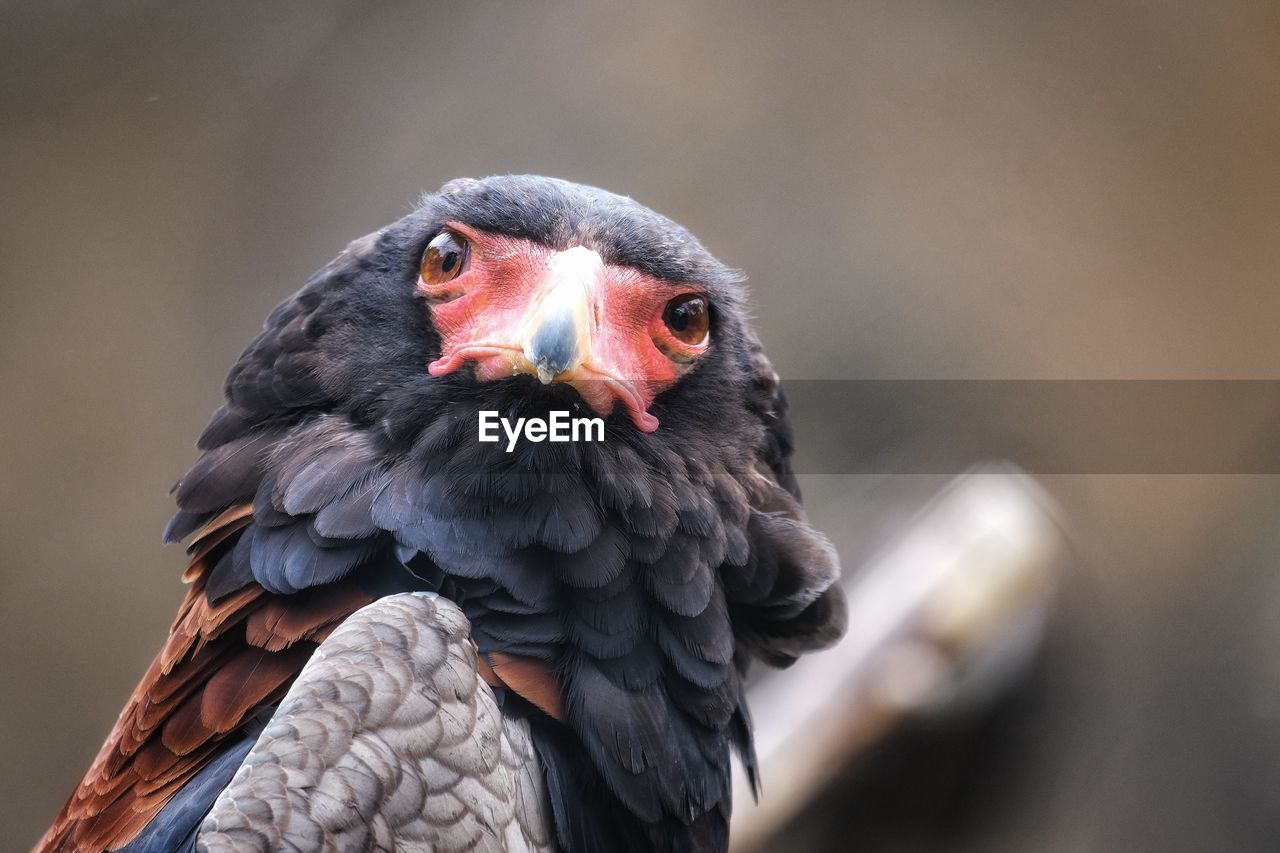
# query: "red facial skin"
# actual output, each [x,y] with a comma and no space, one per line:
[491,310]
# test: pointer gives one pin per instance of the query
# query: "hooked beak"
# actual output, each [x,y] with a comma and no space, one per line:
[556,337]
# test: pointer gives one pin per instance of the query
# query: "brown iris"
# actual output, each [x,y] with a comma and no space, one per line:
[445,258]
[688,318]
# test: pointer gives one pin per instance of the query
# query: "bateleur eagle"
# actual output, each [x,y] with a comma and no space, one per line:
[614,591]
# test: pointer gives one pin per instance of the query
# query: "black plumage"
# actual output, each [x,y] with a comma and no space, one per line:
[647,568]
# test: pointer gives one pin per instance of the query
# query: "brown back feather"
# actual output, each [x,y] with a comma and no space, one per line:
[220,664]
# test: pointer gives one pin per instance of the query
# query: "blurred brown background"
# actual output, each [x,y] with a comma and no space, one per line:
[917,190]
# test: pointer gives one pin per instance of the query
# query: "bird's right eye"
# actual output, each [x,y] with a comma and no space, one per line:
[445,259]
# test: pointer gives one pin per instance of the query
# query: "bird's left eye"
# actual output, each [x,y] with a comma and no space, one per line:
[445,259]
[688,319]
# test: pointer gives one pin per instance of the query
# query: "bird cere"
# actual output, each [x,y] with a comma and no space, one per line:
[604,599]
[558,426]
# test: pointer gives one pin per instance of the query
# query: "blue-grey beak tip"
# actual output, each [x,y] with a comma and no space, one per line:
[554,347]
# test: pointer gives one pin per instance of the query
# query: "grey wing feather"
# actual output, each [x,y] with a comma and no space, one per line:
[388,740]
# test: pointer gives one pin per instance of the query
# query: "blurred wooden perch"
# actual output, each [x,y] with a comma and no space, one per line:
[946,617]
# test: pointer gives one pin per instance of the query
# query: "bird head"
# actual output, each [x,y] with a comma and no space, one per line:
[513,306]
[568,285]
